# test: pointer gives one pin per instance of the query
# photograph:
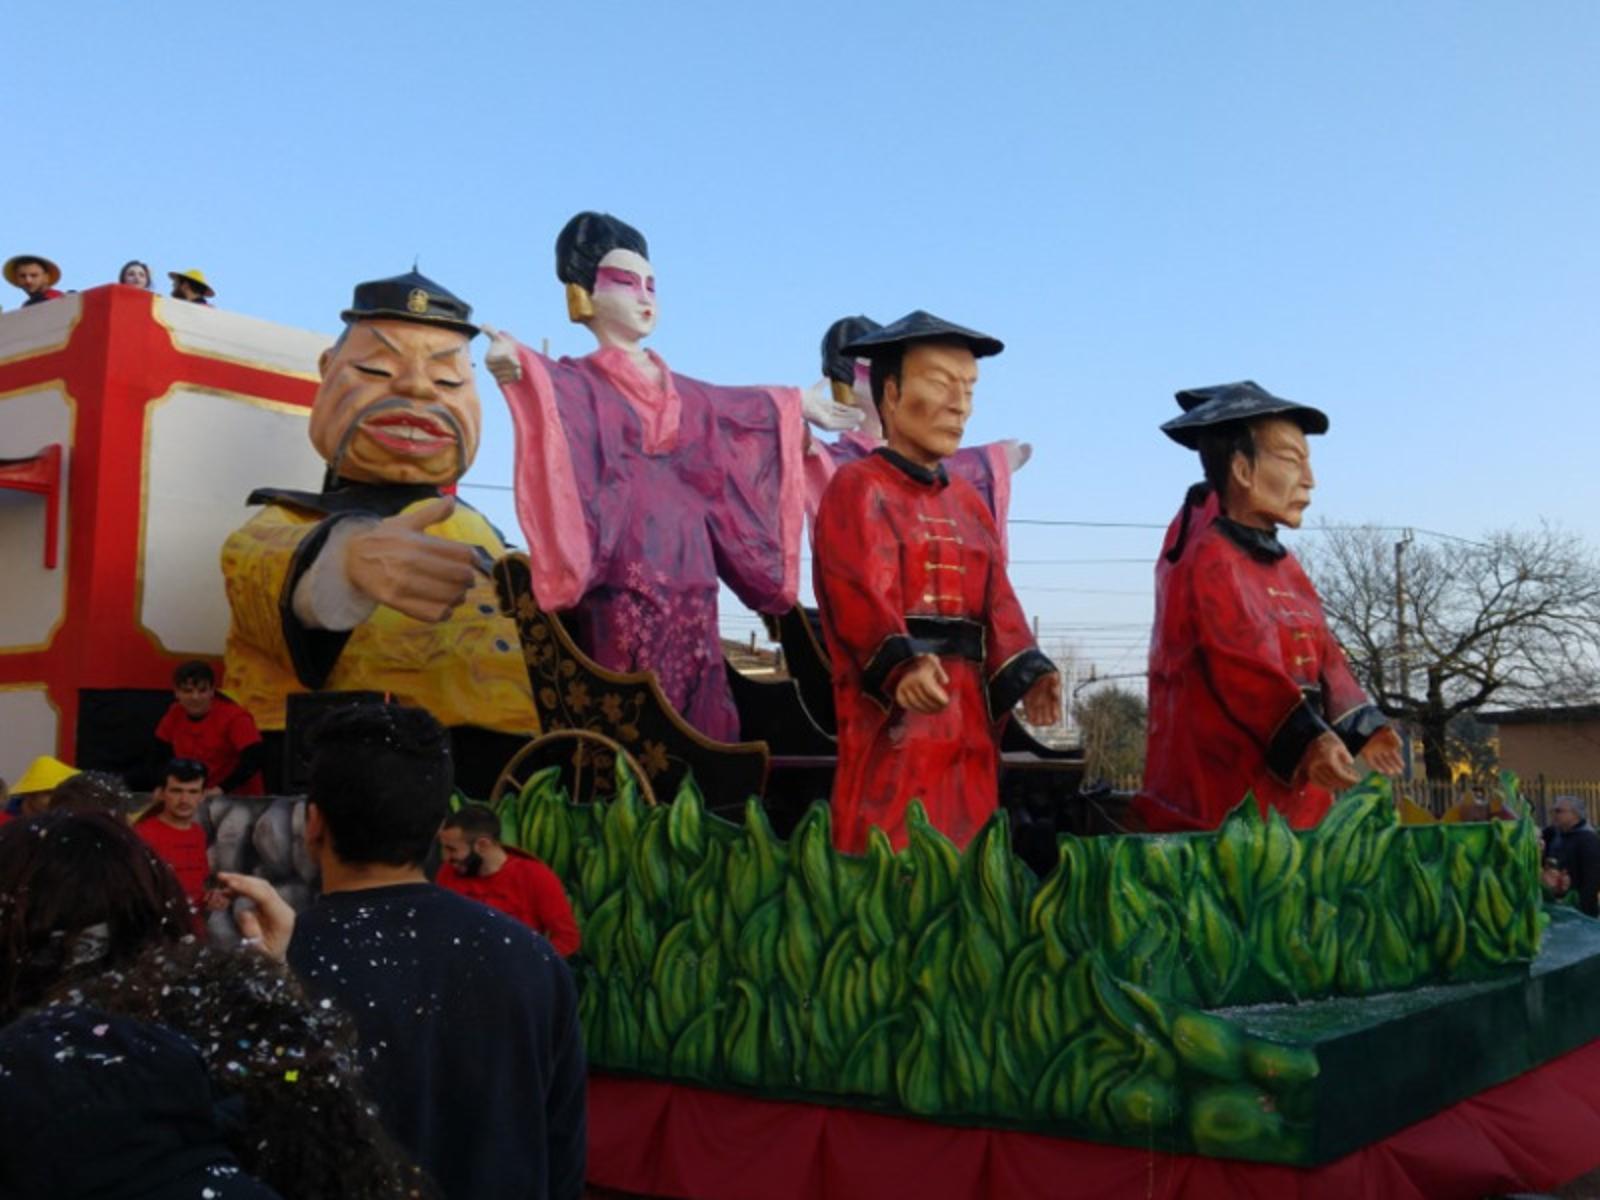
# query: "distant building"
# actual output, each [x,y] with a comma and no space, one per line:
[1557,743]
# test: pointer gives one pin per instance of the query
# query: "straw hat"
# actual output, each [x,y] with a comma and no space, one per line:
[50,269]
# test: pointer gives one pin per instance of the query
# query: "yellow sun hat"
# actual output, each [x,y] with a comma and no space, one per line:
[44,774]
[195,276]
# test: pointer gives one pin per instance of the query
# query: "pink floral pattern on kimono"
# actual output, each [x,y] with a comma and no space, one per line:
[637,498]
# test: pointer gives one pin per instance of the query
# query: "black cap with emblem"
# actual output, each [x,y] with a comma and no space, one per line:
[1224,403]
[410,297]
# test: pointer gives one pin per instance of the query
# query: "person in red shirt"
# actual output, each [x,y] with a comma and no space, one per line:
[172,829]
[206,726]
[478,867]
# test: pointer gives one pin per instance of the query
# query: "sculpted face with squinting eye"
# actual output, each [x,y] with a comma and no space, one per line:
[925,412]
[397,404]
[624,298]
[1275,487]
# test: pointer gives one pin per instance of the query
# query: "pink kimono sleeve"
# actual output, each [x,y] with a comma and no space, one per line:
[560,543]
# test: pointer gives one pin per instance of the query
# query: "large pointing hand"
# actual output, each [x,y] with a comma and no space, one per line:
[413,572]
[502,358]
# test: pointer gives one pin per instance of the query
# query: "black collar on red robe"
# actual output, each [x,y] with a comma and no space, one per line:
[922,474]
[1262,544]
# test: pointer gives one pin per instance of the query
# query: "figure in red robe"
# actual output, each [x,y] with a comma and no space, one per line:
[930,649]
[1249,691]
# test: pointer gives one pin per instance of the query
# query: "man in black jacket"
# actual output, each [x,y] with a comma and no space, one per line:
[467,1019]
[1572,854]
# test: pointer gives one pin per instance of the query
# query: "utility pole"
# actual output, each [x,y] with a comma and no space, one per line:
[1403,666]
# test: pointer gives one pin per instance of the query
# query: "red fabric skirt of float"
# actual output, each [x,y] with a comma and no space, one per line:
[666,1139]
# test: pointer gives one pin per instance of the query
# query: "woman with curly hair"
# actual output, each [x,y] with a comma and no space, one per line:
[294,1114]
[92,921]
[80,893]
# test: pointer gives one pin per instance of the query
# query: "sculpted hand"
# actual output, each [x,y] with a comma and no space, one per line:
[502,358]
[270,924]
[1382,751]
[412,572]
[921,688]
[1017,456]
[817,405]
[1329,765]
[1042,702]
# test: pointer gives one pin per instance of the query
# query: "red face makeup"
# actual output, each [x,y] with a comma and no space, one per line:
[623,299]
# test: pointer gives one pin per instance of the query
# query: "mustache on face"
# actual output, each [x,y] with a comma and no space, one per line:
[393,403]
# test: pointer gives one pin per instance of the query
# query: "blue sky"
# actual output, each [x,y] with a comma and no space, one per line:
[1389,211]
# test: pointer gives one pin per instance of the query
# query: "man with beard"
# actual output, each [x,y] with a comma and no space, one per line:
[34,275]
[380,581]
[478,867]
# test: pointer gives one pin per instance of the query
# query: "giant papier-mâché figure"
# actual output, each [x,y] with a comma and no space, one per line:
[1249,691]
[988,468]
[638,489]
[930,648]
[379,581]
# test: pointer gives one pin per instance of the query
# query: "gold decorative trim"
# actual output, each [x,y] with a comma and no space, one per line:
[65,563]
[257,364]
[53,347]
[277,406]
[509,778]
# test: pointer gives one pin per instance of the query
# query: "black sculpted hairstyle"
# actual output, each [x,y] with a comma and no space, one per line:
[308,1128]
[80,893]
[476,821]
[588,238]
[1217,447]
[381,778]
[194,671]
[837,365]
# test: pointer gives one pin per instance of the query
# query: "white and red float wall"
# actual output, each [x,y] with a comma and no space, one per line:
[166,414]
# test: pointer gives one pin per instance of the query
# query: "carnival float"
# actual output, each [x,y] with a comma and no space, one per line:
[1274,1001]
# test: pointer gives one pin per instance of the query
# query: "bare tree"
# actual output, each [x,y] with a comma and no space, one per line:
[1112,720]
[1514,618]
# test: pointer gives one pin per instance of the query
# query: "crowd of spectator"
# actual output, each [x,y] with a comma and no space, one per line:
[36,277]
[397,1038]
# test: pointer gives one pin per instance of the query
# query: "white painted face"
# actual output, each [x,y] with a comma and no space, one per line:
[623,299]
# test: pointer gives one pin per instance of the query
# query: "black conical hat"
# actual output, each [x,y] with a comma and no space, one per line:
[1223,403]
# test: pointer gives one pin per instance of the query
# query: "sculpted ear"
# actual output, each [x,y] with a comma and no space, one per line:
[891,399]
[1241,470]
[323,360]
